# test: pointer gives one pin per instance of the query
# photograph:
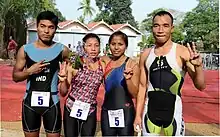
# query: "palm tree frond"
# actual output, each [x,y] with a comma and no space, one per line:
[80,8]
[88,10]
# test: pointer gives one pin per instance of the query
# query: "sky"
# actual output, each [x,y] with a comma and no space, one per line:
[140,8]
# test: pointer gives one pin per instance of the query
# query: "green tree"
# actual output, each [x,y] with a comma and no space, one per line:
[41,5]
[146,41]
[202,24]
[177,35]
[59,14]
[81,19]
[6,6]
[13,15]
[146,24]
[104,15]
[150,40]
[88,10]
[115,12]
[143,43]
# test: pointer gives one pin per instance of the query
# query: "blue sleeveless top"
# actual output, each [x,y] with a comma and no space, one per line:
[117,95]
[47,80]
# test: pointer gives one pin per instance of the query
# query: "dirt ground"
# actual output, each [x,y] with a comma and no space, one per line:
[12,129]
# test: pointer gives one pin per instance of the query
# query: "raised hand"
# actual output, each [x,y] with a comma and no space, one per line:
[195,58]
[38,67]
[128,73]
[62,74]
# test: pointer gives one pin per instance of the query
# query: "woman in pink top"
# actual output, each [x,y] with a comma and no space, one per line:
[80,106]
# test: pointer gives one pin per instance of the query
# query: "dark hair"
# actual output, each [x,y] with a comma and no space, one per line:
[162,13]
[119,33]
[48,15]
[90,35]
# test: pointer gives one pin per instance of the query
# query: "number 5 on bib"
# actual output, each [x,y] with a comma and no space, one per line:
[40,99]
[80,110]
[116,118]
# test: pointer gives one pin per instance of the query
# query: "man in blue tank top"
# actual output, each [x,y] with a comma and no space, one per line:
[162,71]
[38,63]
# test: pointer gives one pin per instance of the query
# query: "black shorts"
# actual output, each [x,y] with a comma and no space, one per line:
[163,112]
[128,130]
[74,127]
[31,118]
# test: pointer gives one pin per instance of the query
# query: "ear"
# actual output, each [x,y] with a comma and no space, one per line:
[172,29]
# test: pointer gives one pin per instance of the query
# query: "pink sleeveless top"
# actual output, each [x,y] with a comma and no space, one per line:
[85,86]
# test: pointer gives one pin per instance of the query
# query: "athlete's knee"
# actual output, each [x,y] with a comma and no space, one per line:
[53,134]
[31,134]
[54,131]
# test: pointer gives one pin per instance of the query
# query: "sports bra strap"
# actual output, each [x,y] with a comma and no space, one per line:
[126,59]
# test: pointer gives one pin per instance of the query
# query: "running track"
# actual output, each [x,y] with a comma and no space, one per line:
[198,107]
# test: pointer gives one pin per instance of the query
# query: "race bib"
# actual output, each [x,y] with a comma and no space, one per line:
[40,99]
[80,110]
[116,118]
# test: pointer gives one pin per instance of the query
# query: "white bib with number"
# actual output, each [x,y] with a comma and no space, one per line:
[116,118]
[80,110]
[40,99]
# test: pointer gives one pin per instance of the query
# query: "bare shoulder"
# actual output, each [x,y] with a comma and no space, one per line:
[20,60]
[65,49]
[181,47]
[145,54]
[21,52]
[65,53]
[104,59]
[183,52]
[133,61]
[22,48]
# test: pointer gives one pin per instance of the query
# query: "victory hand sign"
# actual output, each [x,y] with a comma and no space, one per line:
[195,58]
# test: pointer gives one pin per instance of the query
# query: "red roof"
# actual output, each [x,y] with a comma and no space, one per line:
[117,26]
[92,24]
[62,24]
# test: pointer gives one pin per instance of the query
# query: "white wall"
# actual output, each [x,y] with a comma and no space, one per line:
[102,29]
[70,38]
[74,33]
[131,46]
[127,30]
[65,38]
[74,27]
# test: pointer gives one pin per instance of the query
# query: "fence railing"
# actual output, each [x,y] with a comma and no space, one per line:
[210,61]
